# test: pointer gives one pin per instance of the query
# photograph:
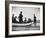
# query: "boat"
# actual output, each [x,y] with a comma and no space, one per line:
[22,24]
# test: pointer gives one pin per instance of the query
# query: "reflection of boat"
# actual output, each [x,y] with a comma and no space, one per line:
[22,24]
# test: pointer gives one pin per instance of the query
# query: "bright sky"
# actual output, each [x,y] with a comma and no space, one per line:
[26,11]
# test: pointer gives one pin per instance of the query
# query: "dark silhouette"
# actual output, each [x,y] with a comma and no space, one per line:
[15,21]
[20,17]
[25,20]
[29,20]
[34,18]
[13,18]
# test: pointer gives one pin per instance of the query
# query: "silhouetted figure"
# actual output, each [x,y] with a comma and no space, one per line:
[13,18]
[15,21]
[20,17]
[29,20]
[25,20]
[34,18]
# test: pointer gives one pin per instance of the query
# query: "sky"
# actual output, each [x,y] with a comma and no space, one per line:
[27,12]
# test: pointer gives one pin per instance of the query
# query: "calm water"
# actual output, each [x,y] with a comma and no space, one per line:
[34,26]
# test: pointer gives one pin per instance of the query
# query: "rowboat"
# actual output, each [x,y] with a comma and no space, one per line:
[21,24]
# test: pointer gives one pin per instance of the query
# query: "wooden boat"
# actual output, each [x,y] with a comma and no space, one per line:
[21,24]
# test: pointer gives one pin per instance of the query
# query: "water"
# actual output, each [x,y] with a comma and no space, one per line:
[34,26]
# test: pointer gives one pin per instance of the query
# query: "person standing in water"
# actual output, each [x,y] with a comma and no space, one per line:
[34,18]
